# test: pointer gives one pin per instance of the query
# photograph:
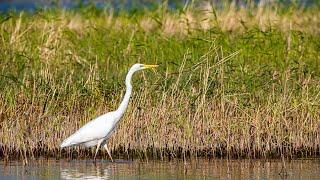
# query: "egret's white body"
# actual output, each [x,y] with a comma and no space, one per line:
[94,131]
[97,131]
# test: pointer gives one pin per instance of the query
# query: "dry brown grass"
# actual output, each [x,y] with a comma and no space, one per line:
[59,73]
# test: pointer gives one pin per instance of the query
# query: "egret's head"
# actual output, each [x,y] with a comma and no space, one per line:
[137,67]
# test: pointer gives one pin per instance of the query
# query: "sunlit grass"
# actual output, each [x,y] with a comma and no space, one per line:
[234,82]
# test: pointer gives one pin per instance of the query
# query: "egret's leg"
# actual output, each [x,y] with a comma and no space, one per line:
[98,146]
[106,147]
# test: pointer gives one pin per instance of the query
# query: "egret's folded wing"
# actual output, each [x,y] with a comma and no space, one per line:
[93,130]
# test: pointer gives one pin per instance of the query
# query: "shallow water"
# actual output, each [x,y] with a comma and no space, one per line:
[177,169]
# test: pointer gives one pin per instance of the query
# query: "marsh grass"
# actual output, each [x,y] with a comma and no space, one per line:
[234,82]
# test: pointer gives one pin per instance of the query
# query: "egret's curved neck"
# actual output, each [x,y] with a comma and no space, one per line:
[124,104]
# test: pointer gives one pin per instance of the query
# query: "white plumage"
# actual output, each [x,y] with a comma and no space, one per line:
[97,131]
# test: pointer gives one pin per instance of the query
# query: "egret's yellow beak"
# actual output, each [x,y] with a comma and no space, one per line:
[146,66]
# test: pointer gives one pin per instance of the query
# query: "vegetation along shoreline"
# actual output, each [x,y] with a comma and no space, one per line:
[234,82]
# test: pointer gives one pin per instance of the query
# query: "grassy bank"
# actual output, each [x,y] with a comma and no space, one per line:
[233,82]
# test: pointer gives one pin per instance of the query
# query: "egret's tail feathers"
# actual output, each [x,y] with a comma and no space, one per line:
[65,143]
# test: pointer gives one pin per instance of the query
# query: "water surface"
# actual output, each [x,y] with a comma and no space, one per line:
[176,169]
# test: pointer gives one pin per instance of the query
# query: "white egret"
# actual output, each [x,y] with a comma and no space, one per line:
[97,131]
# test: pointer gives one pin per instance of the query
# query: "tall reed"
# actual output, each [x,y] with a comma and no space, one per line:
[234,82]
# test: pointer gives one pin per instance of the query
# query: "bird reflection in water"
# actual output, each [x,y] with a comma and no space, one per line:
[86,172]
